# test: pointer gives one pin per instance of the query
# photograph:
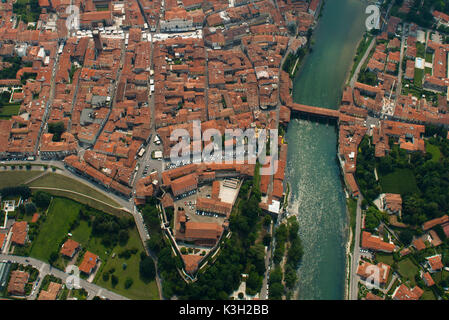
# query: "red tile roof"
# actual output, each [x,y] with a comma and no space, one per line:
[375,243]
[435,262]
[19,232]
[404,293]
[69,248]
[88,263]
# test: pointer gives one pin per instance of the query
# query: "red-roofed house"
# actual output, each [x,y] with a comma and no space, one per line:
[69,248]
[89,262]
[404,293]
[19,233]
[428,279]
[375,243]
[435,263]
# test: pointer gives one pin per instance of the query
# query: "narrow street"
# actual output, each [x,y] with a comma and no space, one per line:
[45,269]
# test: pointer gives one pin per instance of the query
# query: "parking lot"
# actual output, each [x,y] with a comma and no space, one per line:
[188,203]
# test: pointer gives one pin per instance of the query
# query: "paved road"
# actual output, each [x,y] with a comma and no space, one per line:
[264,292]
[45,269]
[361,63]
[353,286]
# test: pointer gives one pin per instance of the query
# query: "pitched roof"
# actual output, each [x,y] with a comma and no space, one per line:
[375,243]
[428,279]
[17,282]
[51,292]
[404,293]
[19,232]
[69,247]
[435,262]
[88,263]
[191,262]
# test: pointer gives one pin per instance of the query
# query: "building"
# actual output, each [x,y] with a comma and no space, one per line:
[214,206]
[368,271]
[19,233]
[184,184]
[392,203]
[427,278]
[434,262]
[375,243]
[191,262]
[201,233]
[419,244]
[17,283]
[69,248]
[404,293]
[89,262]
[51,293]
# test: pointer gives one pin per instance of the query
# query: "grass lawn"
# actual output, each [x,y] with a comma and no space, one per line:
[139,289]
[439,276]
[54,180]
[15,178]
[419,74]
[61,213]
[434,151]
[428,295]
[429,57]
[400,181]
[420,50]
[9,110]
[385,258]
[81,233]
[408,270]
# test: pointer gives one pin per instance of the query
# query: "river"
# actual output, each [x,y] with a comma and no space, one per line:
[317,194]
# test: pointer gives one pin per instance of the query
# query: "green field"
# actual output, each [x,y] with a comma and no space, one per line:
[140,289]
[15,178]
[54,180]
[385,258]
[420,50]
[434,151]
[428,295]
[419,75]
[408,270]
[400,181]
[61,213]
[9,110]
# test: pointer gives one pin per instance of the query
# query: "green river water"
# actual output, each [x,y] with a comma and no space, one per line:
[317,193]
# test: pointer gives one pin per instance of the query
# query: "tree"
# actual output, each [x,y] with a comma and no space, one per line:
[57,128]
[128,283]
[276,291]
[114,280]
[406,236]
[42,199]
[30,208]
[53,257]
[267,240]
[253,283]
[147,269]
[123,237]
[267,220]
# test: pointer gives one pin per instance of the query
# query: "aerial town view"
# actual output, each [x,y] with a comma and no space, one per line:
[224,150]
